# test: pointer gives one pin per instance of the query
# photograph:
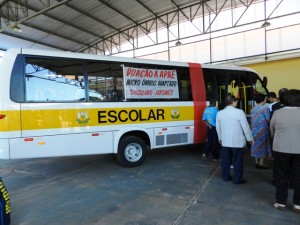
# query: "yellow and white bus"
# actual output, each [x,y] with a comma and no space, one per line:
[55,103]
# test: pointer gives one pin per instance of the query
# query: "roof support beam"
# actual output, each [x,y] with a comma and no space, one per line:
[36,14]
[247,7]
[10,11]
[216,14]
[155,16]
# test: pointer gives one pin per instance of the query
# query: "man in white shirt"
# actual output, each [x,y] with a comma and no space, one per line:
[233,131]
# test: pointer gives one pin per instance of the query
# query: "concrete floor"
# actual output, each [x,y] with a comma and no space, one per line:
[173,186]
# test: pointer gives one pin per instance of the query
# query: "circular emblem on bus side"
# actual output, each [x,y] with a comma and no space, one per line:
[82,117]
[175,113]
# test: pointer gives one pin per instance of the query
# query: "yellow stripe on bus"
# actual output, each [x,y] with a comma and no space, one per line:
[65,118]
[11,121]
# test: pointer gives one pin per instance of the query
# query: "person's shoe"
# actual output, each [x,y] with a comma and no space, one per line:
[296,208]
[229,178]
[278,206]
[256,165]
[204,156]
[262,167]
[242,182]
[215,160]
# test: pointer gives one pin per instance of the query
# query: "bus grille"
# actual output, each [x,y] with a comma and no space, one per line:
[160,140]
[177,138]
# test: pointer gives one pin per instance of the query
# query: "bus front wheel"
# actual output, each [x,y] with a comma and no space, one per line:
[132,151]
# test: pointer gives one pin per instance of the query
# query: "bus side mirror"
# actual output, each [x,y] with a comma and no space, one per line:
[265,81]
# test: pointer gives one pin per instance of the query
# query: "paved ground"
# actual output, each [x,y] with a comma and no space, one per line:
[173,186]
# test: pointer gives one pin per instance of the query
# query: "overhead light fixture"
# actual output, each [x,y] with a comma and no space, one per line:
[178,43]
[265,24]
[16,28]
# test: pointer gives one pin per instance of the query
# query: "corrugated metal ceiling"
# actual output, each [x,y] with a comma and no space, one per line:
[77,24]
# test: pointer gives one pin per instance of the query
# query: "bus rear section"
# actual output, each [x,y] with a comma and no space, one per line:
[10,114]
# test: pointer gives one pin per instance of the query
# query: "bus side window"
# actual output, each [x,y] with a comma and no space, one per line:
[105,81]
[210,84]
[184,82]
[185,92]
[53,80]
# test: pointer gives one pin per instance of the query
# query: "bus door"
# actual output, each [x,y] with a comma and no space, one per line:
[235,82]
[239,85]
[245,85]
[210,85]
[216,82]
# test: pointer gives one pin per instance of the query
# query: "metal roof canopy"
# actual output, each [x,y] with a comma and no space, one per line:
[96,26]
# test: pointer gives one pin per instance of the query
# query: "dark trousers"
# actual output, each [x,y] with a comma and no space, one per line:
[286,169]
[211,143]
[235,157]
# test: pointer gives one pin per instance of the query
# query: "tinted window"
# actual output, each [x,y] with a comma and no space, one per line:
[105,81]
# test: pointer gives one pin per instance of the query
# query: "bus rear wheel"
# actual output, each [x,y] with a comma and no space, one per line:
[132,151]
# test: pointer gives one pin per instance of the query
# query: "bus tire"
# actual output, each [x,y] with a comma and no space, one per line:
[132,151]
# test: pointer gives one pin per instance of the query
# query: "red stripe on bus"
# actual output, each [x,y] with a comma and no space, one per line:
[199,98]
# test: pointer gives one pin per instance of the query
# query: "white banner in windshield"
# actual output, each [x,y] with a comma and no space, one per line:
[142,83]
